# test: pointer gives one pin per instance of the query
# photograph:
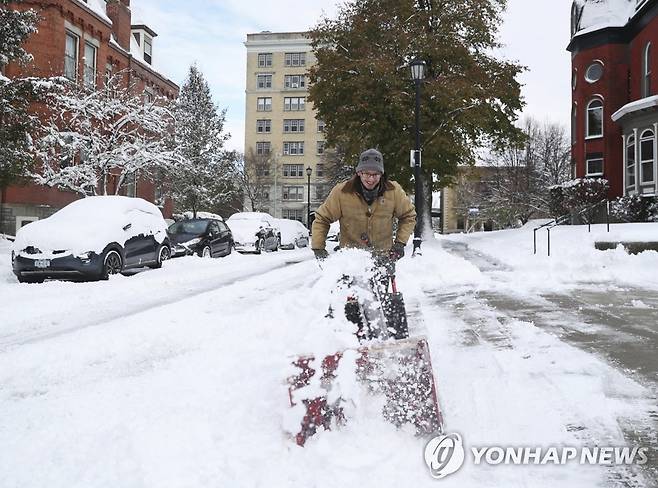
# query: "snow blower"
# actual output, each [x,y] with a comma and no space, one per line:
[387,364]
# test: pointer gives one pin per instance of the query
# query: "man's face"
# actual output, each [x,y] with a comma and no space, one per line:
[369,179]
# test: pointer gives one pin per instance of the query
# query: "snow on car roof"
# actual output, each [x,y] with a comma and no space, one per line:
[250,216]
[89,224]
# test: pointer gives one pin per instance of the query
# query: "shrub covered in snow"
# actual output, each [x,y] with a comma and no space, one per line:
[582,194]
[635,208]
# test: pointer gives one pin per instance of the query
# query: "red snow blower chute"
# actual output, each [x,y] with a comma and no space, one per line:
[388,364]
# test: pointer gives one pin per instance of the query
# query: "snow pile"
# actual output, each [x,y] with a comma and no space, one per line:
[573,259]
[599,14]
[91,223]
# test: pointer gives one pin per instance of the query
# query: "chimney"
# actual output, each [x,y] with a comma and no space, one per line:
[119,13]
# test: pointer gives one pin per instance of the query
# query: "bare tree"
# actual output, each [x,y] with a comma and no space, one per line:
[256,176]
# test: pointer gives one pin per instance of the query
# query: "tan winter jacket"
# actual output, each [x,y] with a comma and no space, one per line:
[346,204]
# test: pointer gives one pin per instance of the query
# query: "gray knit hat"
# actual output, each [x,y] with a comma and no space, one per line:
[371,160]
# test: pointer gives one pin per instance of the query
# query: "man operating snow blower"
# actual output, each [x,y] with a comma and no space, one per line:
[365,206]
[398,370]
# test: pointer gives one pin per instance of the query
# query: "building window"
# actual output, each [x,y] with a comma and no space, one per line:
[265,60]
[293,170]
[131,185]
[319,147]
[320,125]
[594,72]
[321,191]
[149,95]
[293,148]
[292,214]
[594,167]
[594,119]
[294,81]
[294,104]
[264,104]
[295,59]
[71,56]
[630,162]
[264,81]
[293,125]
[293,193]
[148,49]
[574,121]
[574,79]
[263,148]
[264,125]
[319,170]
[646,71]
[646,157]
[90,65]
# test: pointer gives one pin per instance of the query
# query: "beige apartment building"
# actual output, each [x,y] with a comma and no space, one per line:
[283,138]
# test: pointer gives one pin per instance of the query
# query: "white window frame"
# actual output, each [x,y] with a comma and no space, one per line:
[264,126]
[293,148]
[89,70]
[293,190]
[588,173]
[652,161]
[294,82]
[646,71]
[294,104]
[295,59]
[264,60]
[293,170]
[148,41]
[265,106]
[263,148]
[629,170]
[321,126]
[587,112]
[294,126]
[319,147]
[76,38]
[264,81]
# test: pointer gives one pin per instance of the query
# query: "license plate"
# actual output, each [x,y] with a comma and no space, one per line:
[42,263]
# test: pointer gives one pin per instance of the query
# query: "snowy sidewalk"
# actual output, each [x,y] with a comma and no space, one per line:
[612,324]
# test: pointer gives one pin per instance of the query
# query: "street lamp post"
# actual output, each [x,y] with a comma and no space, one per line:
[417,74]
[309,170]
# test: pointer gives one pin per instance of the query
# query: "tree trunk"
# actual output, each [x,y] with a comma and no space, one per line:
[425,216]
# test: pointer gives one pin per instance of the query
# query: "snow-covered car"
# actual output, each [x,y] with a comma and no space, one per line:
[293,233]
[91,239]
[204,237]
[254,232]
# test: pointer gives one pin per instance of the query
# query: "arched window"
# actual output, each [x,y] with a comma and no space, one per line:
[646,157]
[646,71]
[594,119]
[574,121]
[630,161]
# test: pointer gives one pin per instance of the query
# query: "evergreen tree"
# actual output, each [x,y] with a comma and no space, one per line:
[16,95]
[361,85]
[203,176]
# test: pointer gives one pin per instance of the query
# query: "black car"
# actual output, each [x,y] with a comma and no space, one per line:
[91,239]
[203,237]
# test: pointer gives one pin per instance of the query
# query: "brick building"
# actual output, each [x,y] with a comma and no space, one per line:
[614,48]
[86,41]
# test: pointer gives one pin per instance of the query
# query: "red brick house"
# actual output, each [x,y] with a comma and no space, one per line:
[85,41]
[614,50]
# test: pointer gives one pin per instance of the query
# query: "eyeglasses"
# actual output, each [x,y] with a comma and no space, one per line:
[370,176]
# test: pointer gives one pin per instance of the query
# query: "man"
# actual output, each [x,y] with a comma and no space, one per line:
[366,205]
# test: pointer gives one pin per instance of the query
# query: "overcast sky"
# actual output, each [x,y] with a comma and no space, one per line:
[212,32]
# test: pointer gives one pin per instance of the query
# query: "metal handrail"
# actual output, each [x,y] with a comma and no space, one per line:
[559,220]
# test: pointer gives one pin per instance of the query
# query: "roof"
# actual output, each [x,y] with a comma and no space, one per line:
[636,106]
[592,15]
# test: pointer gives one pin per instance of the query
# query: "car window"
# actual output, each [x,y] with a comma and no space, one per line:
[222,226]
[189,227]
[214,228]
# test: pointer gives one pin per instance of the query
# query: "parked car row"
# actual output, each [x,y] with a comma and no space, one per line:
[95,237]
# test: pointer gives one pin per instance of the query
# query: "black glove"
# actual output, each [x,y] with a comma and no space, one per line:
[397,251]
[320,254]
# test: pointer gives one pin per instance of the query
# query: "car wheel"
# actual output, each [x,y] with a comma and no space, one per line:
[163,254]
[112,264]
[206,252]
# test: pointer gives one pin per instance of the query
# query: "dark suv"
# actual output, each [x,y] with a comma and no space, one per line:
[204,237]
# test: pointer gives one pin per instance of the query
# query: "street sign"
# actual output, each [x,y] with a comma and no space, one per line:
[412,159]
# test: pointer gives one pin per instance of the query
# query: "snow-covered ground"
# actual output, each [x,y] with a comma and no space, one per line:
[175,377]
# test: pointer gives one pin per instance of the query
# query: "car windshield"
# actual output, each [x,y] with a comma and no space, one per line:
[188,227]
